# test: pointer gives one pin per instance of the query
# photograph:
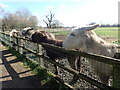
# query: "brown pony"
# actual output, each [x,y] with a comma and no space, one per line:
[45,37]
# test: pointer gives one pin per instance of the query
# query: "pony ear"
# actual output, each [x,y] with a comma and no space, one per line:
[88,28]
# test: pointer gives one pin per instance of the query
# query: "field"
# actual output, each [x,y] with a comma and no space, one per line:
[102,31]
[107,31]
[109,34]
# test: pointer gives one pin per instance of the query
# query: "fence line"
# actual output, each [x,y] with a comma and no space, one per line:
[114,62]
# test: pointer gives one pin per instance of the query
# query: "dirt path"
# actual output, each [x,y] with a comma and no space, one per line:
[13,74]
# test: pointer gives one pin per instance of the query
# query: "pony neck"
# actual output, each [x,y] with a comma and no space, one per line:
[100,47]
[55,42]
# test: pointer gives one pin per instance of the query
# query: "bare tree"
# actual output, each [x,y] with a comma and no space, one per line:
[32,22]
[20,19]
[1,13]
[49,19]
[23,16]
[1,10]
[57,24]
[23,12]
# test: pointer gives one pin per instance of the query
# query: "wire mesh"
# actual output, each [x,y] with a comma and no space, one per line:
[92,68]
[96,70]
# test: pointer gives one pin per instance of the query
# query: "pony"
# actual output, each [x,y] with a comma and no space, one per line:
[86,39]
[45,37]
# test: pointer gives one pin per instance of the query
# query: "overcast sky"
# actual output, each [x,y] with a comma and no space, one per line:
[69,12]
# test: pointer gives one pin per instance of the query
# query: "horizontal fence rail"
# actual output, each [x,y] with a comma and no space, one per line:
[17,42]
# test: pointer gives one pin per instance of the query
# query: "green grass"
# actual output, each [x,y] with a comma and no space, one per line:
[107,31]
[62,33]
[108,28]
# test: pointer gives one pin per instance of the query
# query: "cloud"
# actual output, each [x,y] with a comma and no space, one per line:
[62,6]
[98,11]
[1,8]
[3,5]
[49,8]
[39,1]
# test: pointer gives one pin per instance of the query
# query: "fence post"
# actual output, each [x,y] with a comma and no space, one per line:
[116,76]
[20,43]
[16,42]
[11,44]
[24,45]
[20,49]
[5,38]
[39,47]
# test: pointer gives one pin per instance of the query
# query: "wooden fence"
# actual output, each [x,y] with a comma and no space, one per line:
[23,46]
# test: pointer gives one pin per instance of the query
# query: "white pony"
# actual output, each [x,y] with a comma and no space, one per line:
[89,42]
[14,32]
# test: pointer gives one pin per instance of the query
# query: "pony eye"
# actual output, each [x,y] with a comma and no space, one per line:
[72,34]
